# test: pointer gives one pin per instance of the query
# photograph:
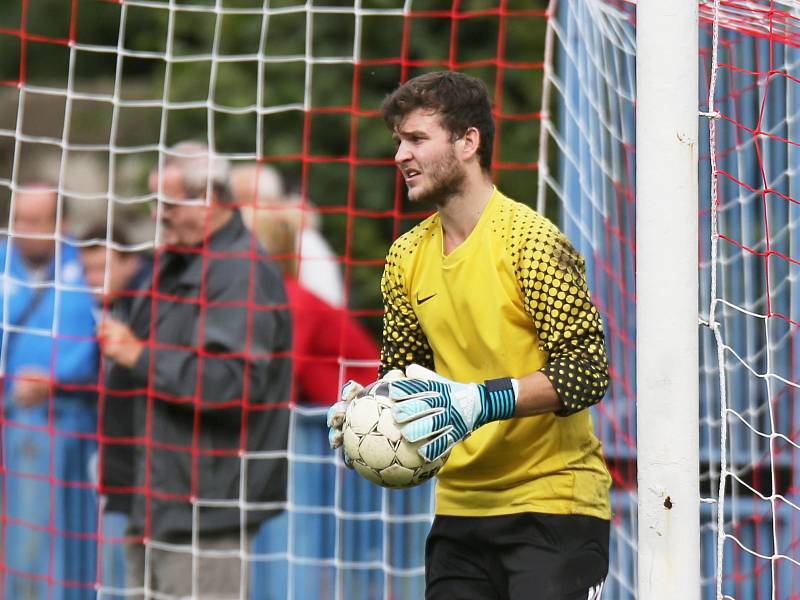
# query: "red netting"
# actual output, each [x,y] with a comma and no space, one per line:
[95,93]
[755,150]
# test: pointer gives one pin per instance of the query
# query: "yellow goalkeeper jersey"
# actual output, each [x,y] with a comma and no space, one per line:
[510,300]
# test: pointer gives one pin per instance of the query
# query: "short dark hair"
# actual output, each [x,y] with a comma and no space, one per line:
[460,100]
[119,235]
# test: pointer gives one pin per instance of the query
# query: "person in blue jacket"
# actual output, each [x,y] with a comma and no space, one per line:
[48,360]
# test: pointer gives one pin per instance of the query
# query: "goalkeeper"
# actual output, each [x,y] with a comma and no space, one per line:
[486,290]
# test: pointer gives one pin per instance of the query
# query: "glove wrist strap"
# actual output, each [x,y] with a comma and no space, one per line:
[501,399]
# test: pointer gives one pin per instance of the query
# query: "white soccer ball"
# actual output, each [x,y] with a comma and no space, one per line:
[375,446]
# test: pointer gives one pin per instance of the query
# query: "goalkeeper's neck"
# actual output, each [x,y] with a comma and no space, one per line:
[463,210]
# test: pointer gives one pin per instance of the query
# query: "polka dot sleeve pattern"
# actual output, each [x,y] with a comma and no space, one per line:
[404,342]
[552,279]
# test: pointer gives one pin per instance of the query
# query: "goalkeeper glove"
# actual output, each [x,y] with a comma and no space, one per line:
[336,413]
[442,412]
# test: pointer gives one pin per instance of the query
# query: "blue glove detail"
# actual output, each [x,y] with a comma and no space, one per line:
[442,412]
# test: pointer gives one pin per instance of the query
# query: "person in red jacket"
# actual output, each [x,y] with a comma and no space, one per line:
[329,346]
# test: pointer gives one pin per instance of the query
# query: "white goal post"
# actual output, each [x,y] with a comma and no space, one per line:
[667,299]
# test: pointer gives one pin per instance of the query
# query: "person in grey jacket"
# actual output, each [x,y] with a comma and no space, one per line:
[206,356]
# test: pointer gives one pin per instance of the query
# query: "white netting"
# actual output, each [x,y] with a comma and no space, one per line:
[589,175]
[750,440]
[94,94]
[751,437]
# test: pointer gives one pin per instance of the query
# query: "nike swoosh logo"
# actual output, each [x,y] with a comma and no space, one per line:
[423,300]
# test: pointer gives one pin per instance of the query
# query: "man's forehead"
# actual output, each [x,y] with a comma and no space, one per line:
[417,118]
[169,181]
[94,255]
[169,174]
[38,201]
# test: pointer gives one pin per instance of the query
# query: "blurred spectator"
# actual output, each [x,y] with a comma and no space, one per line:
[50,361]
[329,346]
[128,269]
[129,275]
[208,362]
[258,189]
[324,335]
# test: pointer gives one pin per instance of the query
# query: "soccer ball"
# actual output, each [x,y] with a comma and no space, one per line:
[376,448]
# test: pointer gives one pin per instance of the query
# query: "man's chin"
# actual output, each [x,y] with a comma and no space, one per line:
[165,239]
[417,195]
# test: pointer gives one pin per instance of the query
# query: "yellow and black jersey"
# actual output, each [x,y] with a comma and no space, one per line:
[510,300]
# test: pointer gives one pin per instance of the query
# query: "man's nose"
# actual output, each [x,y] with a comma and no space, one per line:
[402,154]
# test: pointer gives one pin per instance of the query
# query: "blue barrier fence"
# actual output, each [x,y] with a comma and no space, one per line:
[50,508]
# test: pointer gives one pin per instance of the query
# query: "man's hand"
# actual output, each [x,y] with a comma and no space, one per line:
[336,413]
[441,412]
[30,387]
[118,342]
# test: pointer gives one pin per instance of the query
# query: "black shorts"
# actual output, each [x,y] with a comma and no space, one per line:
[528,556]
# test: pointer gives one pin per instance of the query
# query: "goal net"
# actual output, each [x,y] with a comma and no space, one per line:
[94,95]
[587,170]
[749,188]
[748,106]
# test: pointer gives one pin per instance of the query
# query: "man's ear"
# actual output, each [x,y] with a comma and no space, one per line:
[470,142]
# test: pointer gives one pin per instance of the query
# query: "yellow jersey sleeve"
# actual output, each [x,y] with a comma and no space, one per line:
[404,342]
[552,280]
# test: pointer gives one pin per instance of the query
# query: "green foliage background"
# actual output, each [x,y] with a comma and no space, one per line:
[125,96]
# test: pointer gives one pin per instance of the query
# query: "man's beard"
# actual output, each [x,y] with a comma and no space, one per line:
[446,180]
